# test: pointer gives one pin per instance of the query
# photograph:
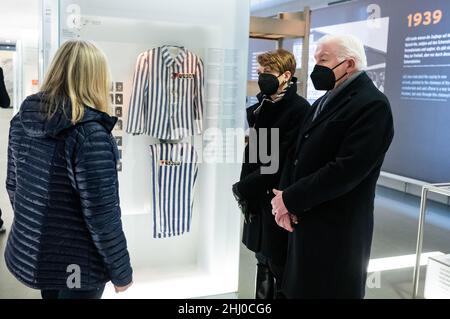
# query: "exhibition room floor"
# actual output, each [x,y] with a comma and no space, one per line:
[396,218]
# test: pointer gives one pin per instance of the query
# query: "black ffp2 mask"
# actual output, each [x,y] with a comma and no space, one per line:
[268,83]
[323,77]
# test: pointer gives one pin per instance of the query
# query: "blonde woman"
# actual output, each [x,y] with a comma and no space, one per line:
[66,238]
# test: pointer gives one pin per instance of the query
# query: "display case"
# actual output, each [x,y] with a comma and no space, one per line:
[203,260]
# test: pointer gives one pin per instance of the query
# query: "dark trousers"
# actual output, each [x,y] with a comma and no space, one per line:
[73,294]
[1,221]
[269,277]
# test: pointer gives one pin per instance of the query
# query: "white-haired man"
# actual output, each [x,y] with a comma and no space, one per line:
[327,191]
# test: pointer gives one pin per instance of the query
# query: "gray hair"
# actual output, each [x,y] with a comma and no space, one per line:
[349,46]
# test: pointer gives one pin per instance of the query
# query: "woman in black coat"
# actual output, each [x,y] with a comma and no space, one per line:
[66,238]
[4,102]
[279,112]
[4,97]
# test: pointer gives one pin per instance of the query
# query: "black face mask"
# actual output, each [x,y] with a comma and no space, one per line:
[323,77]
[268,83]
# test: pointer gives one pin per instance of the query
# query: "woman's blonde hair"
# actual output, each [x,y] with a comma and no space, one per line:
[79,71]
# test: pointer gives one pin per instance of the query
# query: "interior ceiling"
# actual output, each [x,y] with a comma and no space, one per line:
[24,14]
[265,4]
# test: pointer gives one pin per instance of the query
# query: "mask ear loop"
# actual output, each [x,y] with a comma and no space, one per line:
[341,77]
[284,82]
[344,73]
[338,65]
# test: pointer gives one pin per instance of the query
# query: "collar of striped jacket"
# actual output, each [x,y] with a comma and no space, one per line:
[167,58]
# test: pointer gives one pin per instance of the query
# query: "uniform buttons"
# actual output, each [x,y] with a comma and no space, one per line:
[306,136]
[296,162]
[268,192]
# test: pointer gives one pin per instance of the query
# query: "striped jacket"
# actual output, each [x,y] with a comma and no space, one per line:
[62,183]
[174,176]
[167,96]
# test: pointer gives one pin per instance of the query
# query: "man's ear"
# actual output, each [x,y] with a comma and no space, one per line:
[351,65]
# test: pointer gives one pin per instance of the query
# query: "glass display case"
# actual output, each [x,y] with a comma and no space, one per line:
[202,260]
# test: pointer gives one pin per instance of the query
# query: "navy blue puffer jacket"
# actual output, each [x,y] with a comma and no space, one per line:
[62,183]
